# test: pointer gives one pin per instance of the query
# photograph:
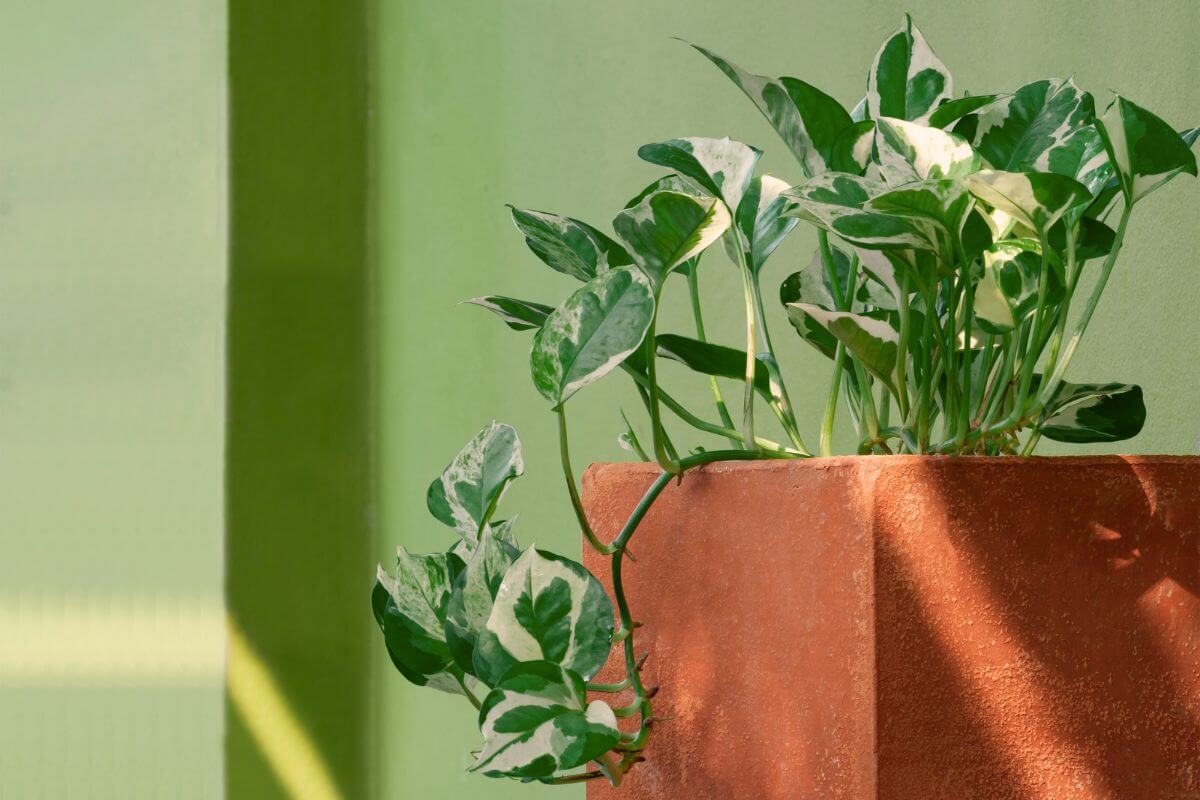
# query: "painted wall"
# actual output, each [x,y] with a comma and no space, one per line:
[542,103]
[112,283]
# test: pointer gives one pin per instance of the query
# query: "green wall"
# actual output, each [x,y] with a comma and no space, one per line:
[112,284]
[542,103]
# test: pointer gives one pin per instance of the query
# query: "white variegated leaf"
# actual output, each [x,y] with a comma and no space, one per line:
[471,485]
[567,245]
[1007,292]
[761,221]
[807,119]
[547,608]
[1087,413]
[474,590]
[910,152]
[1145,151]
[836,202]
[667,228]
[1035,199]
[1023,131]
[943,202]
[591,333]
[873,342]
[722,167]
[907,80]
[537,722]
[520,315]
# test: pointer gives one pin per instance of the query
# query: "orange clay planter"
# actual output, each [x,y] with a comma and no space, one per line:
[915,628]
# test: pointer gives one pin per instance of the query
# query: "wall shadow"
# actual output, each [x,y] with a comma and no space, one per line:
[299,544]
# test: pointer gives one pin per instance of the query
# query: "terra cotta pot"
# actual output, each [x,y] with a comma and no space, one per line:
[916,628]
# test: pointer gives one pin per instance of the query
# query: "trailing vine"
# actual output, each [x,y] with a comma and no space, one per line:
[952,234]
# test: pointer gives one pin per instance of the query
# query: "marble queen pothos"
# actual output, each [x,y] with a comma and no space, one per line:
[952,231]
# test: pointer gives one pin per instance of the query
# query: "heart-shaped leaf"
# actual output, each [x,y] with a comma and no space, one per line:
[1023,130]
[668,228]
[591,333]
[722,167]
[537,721]
[468,489]
[807,119]
[547,608]
[873,342]
[836,202]
[945,202]
[520,315]
[475,588]
[411,611]
[567,245]
[1145,151]
[1035,199]
[1084,413]
[667,183]
[910,152]
[907,80]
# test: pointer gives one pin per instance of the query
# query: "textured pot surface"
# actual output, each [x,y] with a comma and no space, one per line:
[916,628]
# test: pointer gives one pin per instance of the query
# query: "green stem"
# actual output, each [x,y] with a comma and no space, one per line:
[751,351]
[831,402]
[564,452]
[693,279]
[665,460]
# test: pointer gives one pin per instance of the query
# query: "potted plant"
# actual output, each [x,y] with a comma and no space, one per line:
[936,615]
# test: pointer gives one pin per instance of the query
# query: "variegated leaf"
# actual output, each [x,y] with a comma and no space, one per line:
[907,80]
[854,147]
[667,183]
[502,529]
[944,202]
[410,610]
[807,119]
[537,722]
[910,152]
[1086,413]
[547,608]
[1022,132]
[761,220]
[467,491]
[952,111]
[470,602]
[520,315]
[722,167]
[591,333]
[1007,292]
[1035,199]
[567,245]
[836,202]
[668,228]
[873,342]
[1145,151]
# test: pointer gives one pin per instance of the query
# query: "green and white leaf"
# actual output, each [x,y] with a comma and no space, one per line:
[547,608]
[910,152]
[873,342]
[854,148]
[1085,413]
[807,119]
[836,201]
[1145,151]
[668,183]
[1035,199]
[467,491]
[537,722]
[761,220]
[567,245]
[591,333]
[945,203]
[1023,131]
[952,111]
[1007,292]
[907,80]
[722,167]
[474,591]
[411,609]
[668,228]
[520,315]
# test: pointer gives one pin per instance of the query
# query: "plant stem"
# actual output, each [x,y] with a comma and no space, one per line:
[564,452]
[665,460]
[751,347]
[831,403]
[693,280]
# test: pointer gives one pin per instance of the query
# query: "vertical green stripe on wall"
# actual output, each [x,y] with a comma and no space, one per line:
[299,547]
